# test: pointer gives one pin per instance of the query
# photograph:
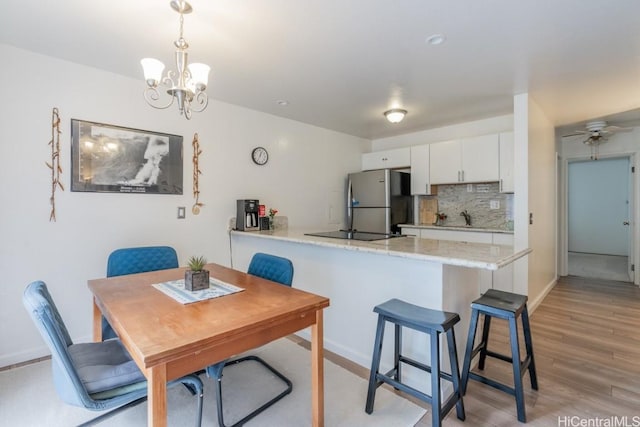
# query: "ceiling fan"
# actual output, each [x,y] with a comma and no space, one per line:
[597,132]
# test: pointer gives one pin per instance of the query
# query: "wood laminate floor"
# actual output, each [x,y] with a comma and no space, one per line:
[586,338]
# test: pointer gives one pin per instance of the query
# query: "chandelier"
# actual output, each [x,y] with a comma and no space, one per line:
[187,85]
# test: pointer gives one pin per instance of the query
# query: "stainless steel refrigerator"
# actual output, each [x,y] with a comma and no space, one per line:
[379,200]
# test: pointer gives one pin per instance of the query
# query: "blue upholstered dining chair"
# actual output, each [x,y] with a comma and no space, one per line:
[137,260]
[97,376]
[279,270]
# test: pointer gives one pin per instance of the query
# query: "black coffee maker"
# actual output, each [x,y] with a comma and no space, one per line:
[247,215]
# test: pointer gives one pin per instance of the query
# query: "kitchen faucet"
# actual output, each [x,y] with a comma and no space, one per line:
[467,217]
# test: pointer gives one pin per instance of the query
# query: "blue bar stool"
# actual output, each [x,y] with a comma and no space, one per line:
[508,306]
[432,322]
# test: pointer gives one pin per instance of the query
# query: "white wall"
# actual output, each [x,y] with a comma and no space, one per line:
[521,191]
[542,202]
[304,180]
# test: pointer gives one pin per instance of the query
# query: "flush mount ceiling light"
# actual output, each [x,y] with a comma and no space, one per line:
[395,115]
[187,85]
[436,39]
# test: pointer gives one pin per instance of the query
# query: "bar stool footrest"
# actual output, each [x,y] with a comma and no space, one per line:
[499,356]
[524,365]
[402,387]
[388,378]
[493,383]
[422,366]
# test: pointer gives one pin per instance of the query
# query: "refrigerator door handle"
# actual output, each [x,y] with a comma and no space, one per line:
[349,201]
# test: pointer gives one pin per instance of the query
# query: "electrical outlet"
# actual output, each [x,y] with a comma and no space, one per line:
[494,204]
[181,212]
[469,188]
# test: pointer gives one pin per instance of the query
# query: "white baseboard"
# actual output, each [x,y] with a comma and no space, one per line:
[533,304]
[31,354]
[23,356]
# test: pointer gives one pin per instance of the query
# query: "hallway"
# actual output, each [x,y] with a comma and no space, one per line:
[596,266]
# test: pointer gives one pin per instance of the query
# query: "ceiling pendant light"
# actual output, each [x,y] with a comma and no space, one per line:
[395,115]
[187,85]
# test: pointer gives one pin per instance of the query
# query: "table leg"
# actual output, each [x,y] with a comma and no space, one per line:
[317,372]
[157,396]
[97,322]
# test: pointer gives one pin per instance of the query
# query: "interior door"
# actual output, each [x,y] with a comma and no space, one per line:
[600,208]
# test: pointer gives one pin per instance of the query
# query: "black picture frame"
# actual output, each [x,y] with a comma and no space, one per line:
[115,159]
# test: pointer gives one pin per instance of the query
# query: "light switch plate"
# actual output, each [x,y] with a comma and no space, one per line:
[494,204]
[181,212]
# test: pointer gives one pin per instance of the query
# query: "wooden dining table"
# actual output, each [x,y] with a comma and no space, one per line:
[168,339]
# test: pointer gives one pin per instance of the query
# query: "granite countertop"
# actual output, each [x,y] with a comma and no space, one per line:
[458,228]
[475,255]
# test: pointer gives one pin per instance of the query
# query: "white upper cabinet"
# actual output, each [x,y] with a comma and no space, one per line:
[506,162]
[444,162]
[420,170]
[480,159]
[387,159]
[473,159]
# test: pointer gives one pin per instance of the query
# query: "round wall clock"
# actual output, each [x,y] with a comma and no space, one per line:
[260,156]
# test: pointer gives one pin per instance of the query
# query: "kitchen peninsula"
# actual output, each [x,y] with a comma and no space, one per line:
[358,275]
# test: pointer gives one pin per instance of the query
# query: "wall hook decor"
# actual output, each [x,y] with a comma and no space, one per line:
[196,172]
[55,167]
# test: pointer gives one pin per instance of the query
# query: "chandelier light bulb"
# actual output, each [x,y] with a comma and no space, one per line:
[152,69]
[199,75]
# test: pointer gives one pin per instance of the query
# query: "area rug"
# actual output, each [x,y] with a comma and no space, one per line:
[27,397]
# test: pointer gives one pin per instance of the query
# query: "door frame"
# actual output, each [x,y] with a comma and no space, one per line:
[634,219]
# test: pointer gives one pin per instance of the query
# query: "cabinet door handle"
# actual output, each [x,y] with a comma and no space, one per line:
[500,186]
[459,176]
[462,173]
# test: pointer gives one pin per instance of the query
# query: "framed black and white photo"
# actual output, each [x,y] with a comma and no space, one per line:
[108,158]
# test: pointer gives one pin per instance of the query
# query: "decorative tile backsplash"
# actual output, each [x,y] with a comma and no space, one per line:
[487,206]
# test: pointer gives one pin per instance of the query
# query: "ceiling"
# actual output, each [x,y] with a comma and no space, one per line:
[340,64]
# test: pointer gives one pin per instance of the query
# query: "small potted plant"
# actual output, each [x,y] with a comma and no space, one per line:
[196,277]
[440,218]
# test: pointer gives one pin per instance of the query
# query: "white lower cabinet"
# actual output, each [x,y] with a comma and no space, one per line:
[410,231]
[455,235]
